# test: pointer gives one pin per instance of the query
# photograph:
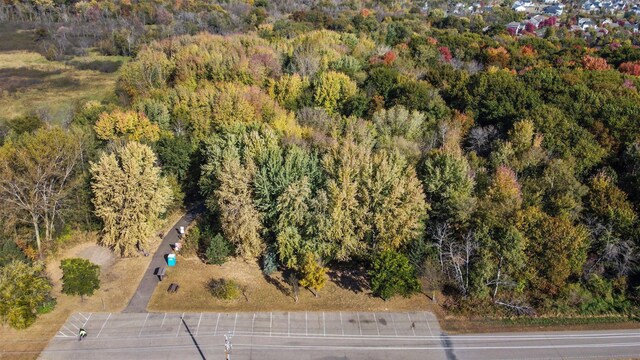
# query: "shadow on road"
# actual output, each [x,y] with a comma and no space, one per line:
[447,346]
[193,339]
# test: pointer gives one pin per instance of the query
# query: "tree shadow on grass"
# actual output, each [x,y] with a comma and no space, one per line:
[278,284]
[350,278]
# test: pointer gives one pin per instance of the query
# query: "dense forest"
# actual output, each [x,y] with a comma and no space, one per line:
[498,169]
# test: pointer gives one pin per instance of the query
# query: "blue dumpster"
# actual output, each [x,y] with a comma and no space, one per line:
[171,259]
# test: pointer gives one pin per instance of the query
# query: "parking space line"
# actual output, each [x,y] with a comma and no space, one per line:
[215,332]
[253,322]
[165,316]
[198,328]
[324,326]
[143,324]
[234,323]
[413,326]
[341,326]
[427,320]
[393,321]
[376,321]
[87,320]
[359,327]
[180,324]
[74,325]
[83,316]
[306,331]
[103,324]
[63,334]
[270,322]
[288,324]
[69,330]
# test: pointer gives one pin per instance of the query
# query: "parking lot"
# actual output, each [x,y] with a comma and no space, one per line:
[265,335]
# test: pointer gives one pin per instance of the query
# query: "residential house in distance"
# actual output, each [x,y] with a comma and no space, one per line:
[554,10]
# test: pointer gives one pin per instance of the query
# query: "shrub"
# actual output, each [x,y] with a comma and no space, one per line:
[47,307]
[191,241]
[393,275]
[224,289]
[9,251]
[218,250]
[269,262]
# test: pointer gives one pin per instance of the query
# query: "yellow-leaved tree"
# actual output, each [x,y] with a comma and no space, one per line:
[128,194]
[128,125]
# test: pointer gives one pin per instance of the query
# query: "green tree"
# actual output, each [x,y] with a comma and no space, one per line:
[448,185]
[218,250]
[314,276]
[79,277]
[397,206]
[129,195]
[392,274]
[23,289]
[347,202]
[558,247]
[240,221]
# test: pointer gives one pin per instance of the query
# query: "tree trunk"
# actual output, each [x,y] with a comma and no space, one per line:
[495,290]
[36,229]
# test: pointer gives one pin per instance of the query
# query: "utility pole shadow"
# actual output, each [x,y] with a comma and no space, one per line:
[193,339]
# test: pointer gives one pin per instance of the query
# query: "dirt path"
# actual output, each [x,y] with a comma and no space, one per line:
[149,281]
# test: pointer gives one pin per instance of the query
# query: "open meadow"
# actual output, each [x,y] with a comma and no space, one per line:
[31,84]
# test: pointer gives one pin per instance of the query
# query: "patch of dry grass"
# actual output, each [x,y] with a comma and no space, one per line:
[344,291]
[119,279]
[30,83]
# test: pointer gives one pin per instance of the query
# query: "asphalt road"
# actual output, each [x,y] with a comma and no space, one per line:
[603,344]
[317,335]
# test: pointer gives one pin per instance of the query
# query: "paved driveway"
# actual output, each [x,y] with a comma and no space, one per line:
[140,299]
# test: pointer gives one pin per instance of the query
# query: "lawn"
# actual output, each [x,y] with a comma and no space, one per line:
[29,83]
[347,290]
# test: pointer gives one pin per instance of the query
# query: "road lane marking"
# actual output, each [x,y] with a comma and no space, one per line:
[105,323]
[359,327]
[216,330]
[270,322]
[165,316]
[341,326]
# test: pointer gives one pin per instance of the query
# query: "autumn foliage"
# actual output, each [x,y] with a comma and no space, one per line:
[594,63]
[631,68]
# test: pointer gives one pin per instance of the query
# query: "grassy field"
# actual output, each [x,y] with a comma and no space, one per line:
[119,278]
[347,290]
[29,83]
